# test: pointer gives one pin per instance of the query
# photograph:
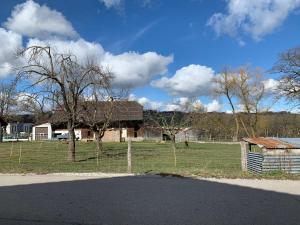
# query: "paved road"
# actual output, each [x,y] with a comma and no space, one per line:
[143,200]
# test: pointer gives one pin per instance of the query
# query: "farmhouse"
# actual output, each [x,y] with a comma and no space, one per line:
[19,125]
[126,122]
[271,154]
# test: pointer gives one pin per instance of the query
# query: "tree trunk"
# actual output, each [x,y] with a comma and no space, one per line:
[237,128]
[253,125]
[99,142]
[174,150]
[245,128]
[72,140]
[237,125]
[99,145]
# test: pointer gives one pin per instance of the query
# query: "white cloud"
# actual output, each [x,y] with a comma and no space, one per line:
[11,42]
[171,107]
[256,17]
[295,110]
[178,104]
[83,50]
[111,3]
[132,69]
[147,103]
[47,27]
[33,20]
[132,97]
[117,4]
[193,80]
[270,85]
[184,104]
[213,106]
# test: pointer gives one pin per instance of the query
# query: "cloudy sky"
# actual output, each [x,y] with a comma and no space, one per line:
[164,50]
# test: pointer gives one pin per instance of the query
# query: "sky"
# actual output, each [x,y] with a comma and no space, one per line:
[165,51]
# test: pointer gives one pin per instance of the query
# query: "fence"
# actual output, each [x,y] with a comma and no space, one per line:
[16,137]
[258,162]
[287,163]
[146,157]
[254,162]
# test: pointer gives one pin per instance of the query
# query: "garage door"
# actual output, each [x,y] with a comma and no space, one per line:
[41,133]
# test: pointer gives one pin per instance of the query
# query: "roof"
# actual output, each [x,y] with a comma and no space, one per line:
[22,118]
[269,143]
[121,111]
[292,141]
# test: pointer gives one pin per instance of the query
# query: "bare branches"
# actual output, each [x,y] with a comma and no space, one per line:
[243,87]
[7,101]
[7,97]
[63,79]
[225,85]
[250,93]
[288,65]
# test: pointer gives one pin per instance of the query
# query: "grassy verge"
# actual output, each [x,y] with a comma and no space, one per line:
[205,159]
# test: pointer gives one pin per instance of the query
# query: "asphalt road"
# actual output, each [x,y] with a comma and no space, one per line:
[144,200]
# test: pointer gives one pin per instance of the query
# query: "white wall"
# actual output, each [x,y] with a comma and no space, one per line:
[124,133]
[8,129]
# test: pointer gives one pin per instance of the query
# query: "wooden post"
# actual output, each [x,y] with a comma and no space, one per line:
[129,156]
[20,154]
[11,149]
[244,153]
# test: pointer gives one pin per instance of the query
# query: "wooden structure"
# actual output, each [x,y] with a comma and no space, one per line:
[270,154]
[126,122]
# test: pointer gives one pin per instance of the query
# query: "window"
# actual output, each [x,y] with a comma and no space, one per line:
[13,128]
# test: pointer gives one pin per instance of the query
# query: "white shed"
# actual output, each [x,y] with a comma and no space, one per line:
[42,132]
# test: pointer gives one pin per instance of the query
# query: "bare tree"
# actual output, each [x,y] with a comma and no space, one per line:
[288,65]
[7,101]
[174,121]
[97,115]
[250,92]
[62,79]
[225,86]
[97,112]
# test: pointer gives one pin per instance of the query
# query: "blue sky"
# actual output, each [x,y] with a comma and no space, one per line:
[167,39]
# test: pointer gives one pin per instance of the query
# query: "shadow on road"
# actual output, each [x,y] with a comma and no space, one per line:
[145,200]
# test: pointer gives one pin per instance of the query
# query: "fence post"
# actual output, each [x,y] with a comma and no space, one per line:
[244,151]
[20,153]
[129,156]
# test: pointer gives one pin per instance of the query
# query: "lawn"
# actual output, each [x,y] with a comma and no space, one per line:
[147,157]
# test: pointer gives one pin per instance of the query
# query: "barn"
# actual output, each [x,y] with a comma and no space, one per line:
[126,122]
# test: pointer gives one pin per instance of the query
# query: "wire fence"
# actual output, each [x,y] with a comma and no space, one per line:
[146,157]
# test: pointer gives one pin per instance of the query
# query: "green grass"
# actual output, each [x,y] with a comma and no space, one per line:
[208,160]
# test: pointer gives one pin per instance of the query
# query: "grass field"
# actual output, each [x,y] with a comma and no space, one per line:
[209,159]
[44,157]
